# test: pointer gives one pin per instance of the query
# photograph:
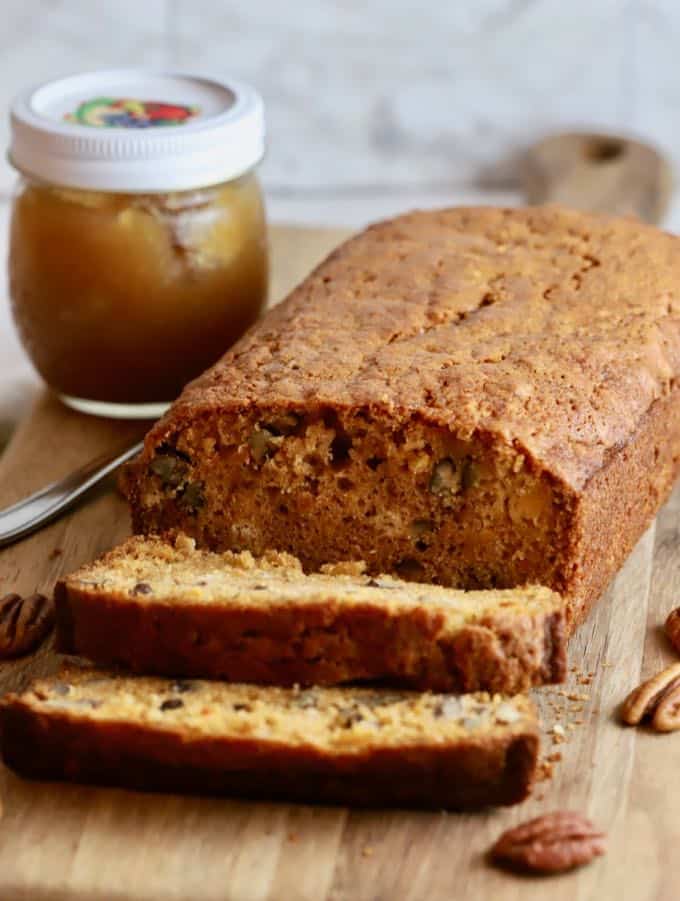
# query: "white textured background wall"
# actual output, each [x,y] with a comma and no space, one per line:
[371,94]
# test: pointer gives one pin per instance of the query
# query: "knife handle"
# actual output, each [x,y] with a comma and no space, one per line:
[600,173]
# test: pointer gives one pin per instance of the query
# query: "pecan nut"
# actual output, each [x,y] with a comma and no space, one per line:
[552,843]
[673,628]
[644,702]
[667,714]
[24,623]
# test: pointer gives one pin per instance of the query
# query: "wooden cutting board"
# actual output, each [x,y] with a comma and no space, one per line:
[59,841]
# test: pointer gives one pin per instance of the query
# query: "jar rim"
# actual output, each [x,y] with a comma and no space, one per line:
[100,130]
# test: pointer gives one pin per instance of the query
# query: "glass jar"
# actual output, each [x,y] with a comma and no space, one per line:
[135,263]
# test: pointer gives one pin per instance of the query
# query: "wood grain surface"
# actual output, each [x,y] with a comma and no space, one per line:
[68,842]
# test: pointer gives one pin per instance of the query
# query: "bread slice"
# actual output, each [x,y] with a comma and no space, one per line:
[348,746]
[168,609]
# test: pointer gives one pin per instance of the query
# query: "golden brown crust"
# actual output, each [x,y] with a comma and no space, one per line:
[468,773]
[620,502]
[547,333]
[560,329]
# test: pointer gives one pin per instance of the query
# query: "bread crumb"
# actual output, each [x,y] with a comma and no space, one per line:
[292,837]
[546,765]
[184,543]
[344,568]
[367,851]
[558,734]
[544,771]
[54,553]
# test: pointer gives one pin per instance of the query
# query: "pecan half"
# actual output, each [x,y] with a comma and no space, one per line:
[24,623]
[673,628]
[667,715]
[645,700]
[552,843]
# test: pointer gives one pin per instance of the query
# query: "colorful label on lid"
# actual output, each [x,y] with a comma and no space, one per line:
[124,112]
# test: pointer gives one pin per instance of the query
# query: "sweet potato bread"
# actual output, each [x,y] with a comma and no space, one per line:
[347,746]
[163,607]
[476,397]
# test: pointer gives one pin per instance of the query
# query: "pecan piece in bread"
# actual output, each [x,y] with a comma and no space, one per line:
[24,623]
[552,843]
[657,700]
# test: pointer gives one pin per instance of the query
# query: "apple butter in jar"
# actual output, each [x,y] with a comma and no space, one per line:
[138,249]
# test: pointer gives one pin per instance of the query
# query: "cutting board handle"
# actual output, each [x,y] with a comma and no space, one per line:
[599,172]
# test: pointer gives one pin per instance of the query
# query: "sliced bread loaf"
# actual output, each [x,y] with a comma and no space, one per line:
[482,397]
[349,746]
[162,607]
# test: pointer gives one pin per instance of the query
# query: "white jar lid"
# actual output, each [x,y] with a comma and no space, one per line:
[137,130]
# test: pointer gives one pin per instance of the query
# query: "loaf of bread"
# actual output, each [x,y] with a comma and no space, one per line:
[481,398]
[163,607]
[347,746]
